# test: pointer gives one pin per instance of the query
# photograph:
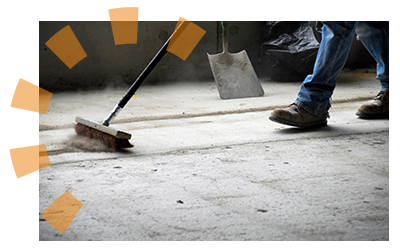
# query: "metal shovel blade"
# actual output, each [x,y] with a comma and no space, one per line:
[234,75]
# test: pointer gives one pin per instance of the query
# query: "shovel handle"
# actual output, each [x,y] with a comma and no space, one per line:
[224,25]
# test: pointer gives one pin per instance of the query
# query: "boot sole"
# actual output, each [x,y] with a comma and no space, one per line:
[300,125]
[373,116]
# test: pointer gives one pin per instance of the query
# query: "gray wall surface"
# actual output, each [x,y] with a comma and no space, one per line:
[110,65]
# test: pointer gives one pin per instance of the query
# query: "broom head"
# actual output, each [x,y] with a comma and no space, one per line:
[109,136]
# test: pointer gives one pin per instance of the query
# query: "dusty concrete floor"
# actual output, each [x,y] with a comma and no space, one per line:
[229,176]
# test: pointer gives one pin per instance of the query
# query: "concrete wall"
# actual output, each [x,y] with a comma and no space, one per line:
[111,65]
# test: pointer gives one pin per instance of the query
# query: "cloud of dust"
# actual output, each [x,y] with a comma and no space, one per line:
[80,143]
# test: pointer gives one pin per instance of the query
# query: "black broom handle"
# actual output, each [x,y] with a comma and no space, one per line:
[135,86]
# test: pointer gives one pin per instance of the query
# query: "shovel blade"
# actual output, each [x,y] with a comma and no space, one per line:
[234,75]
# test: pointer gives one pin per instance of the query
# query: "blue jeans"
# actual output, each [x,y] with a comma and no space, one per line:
[317,89]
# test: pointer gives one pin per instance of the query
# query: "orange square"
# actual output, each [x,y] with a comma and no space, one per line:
[124,14]
[24,160]
[124,32]
[62,212]
[67,47]
[26,96]
[185,38]
[31,97]
[27,160]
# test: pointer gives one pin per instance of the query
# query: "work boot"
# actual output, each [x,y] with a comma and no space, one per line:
[377,108]
[295,115]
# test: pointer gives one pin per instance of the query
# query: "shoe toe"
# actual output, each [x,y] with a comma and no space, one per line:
[370,108]
[278,112]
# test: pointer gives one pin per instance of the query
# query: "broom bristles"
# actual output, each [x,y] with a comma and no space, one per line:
[107,139]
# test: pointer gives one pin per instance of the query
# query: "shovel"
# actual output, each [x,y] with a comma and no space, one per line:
[233,72]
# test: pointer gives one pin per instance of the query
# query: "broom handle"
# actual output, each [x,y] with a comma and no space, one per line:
[224,25]
[135,86]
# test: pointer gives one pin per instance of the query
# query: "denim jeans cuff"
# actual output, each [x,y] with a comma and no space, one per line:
[385,88]
[312,111]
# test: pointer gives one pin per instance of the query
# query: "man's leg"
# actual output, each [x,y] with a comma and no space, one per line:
[375,37]
[317,89]
[313,100]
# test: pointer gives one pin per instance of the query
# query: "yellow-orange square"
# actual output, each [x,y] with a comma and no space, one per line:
[125,32]
[62,212]
[27,160]
[67,47]
[31,97]
[185,38]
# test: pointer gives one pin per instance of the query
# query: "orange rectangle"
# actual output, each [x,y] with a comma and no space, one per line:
[30,97]
[124,14]
[24,160]
[62,211]
[26,96]
[185,39]
[27,160]
[125,32]
[67,47]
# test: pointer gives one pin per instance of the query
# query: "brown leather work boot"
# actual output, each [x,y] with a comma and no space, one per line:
[377,108]
[294,115]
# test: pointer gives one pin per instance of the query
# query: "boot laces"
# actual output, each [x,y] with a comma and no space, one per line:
[383,96]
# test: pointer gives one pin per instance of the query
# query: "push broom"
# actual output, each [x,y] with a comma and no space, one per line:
[110,136]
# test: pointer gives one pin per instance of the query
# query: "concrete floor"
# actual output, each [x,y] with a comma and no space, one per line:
[208,169]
